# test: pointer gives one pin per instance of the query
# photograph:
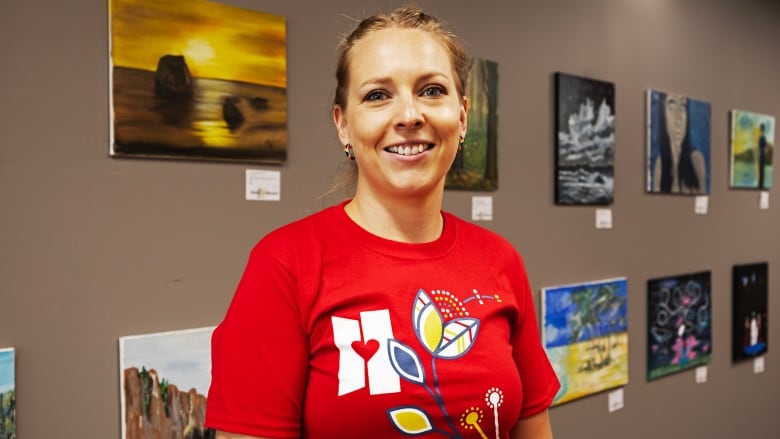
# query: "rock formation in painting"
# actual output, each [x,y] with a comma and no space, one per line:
[172,79]
[155,409]
[8,415]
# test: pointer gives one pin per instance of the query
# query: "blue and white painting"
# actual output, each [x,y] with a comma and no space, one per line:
[585,334]
[678,144]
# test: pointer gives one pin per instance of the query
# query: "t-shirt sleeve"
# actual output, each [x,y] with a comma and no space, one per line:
[536,374]
[258,353]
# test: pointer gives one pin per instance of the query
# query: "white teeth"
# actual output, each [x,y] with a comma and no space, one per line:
[408,150]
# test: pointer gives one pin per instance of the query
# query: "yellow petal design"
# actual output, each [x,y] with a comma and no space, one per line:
[410,420]
[431,327]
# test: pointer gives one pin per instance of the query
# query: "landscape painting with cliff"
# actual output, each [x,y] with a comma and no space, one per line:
[197,80]
[164,380]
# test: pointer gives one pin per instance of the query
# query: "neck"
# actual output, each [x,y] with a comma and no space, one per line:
[412,220]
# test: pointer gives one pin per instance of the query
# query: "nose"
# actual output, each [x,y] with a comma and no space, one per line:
[409,115]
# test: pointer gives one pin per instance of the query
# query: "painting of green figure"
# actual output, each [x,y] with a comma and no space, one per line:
[752,148]
[476,164]
[7,394]
[585,335]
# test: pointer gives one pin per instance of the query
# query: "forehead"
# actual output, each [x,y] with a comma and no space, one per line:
[395,48]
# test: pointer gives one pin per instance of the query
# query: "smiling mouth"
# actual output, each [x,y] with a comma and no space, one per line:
[409,149]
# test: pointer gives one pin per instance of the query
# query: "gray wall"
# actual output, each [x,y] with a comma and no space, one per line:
[94,248]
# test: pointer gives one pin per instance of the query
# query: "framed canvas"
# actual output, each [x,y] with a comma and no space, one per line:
[8,393]
[585,335]
[585,141]
[164,378]
[679,323]
[678,144]
[198,80]
[752,139]
[476,165]
[750,306]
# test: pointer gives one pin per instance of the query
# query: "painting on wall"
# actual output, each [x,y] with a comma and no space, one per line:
[678,144]
[679,323]
[750,310]
[197,80]
[585,141]
[476,165]
[585,334]
[752,149]
[164,379]
[8,393]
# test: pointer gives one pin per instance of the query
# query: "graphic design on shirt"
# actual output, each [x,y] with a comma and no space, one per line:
[446,330]
[362,345]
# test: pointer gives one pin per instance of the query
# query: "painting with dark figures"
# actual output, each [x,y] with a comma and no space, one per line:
[585,141]
[476,164]
[163,381]
[679,323]
[678,144]
[750,308]
[585,335]
[752,138]
[197,80]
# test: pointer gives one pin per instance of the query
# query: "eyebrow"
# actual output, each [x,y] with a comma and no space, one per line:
[389,79]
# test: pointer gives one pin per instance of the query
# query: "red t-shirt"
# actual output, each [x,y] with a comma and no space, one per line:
[334,332]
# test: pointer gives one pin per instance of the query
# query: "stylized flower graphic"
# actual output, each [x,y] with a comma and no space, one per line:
[443,340]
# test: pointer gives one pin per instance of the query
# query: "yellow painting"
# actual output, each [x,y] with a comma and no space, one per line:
[199,80]
[585,335]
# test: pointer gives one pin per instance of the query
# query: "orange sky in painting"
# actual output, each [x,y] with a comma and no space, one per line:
[217,40]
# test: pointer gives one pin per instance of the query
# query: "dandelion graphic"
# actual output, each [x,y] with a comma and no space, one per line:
[471,418]
[494,397]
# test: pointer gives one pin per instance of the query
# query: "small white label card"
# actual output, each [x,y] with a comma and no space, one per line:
[758,365]
[603,218]
[615,400]
[763,200]
[263,185]
[482,208]
[701,204]
[701,374]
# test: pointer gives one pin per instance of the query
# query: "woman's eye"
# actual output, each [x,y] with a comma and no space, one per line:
[375,95]
[433,91]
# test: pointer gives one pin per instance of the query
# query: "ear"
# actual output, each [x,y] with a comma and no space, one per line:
[464,110]
[340,120]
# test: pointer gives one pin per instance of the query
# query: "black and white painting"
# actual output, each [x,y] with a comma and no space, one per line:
[585,140]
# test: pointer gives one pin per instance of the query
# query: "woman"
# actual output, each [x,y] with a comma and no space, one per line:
[383,316]
[679,168]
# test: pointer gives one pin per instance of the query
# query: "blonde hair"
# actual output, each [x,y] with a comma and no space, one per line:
[405,17]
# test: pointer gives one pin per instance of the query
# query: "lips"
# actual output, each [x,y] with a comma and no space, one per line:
[409,149]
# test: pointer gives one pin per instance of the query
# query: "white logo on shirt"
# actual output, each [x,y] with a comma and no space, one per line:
[369,350]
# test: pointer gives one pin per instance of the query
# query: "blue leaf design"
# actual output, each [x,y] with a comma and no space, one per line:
[405,361]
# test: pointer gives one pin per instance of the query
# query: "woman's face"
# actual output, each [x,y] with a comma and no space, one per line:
[676,117]
[403,114]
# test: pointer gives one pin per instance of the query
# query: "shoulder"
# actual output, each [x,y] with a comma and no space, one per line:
[481,239]
[305,233]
